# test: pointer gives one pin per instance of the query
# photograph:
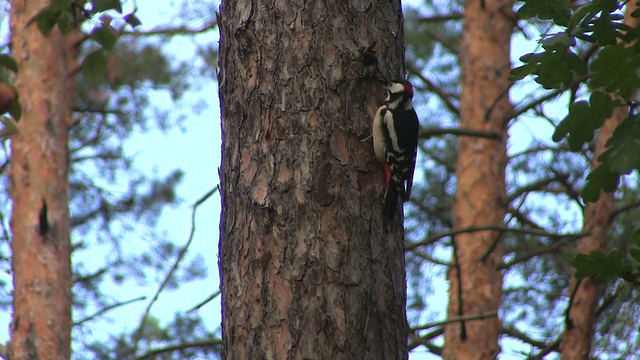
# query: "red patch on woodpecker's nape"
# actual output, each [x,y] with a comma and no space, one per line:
[408,88]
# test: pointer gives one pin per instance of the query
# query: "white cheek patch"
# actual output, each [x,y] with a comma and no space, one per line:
[396,88]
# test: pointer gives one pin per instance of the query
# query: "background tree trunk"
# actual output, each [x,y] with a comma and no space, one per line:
[578,337]
[307,270]
[476,282]
[576,342]
[41,327]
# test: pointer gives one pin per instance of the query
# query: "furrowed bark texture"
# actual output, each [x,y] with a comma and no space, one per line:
[41,327]
[476,283]
[576,342]
[307,270]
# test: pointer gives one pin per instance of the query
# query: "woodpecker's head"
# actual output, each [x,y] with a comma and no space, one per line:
[400,93]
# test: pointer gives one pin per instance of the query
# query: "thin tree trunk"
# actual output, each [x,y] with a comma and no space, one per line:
[578,336]
[476,282]
[41,327]
[576,342]
[307,270]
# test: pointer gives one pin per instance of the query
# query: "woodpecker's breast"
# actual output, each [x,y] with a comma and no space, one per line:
[379,134]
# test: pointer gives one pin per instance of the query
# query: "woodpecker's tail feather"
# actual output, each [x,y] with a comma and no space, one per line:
[390,202]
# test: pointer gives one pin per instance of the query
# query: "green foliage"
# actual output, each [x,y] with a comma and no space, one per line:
[544,178]
[623,151]
[94,67]
[583,119]
[556,10]
[555,68]
[614,78]
[114,205]
[98,6]
[16,108]
[132,20]
[600,266]
[68,14]
[8,62]
[601,178]
[47,19]
[605,267]
[616,70]
[105,36]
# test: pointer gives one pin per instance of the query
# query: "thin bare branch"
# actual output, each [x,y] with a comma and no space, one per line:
[93,276]
[543,250]
[176,30]
[530,105]
[415,341]
[441,17]
[430,258]
[205,343]
[555,346]
[181,254]
[537,232]
[515,333]
[443,41]
[431,132]
[205,301]
[623,209]
[431,86]
[107,309]
[456,319]
[536,185]
[523,219]
[534,103]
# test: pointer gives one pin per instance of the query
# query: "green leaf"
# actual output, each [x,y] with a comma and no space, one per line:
[10,127]
[634,250]
[46,19]
[616,69]
[132,20]
[560,41]
[602,267]
[582,15]
[601,178]
[521,72]
[623,148]
[556,10]
[94,67]
[105,36]
[66,22]
[555,67]
[61,4]
[98,6]
[583,120]
[9,62]
[603,30]
[16,108]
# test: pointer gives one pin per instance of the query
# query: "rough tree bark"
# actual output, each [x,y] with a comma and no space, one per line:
[41,327]
[307,270]
[476,282]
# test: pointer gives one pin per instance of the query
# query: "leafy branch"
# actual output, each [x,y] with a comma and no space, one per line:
[611,66]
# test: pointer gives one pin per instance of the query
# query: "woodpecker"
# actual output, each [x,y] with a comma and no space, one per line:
[395,143]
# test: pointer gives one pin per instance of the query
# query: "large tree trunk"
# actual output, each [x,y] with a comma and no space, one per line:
[476,282]
[307,270]
[41,327]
